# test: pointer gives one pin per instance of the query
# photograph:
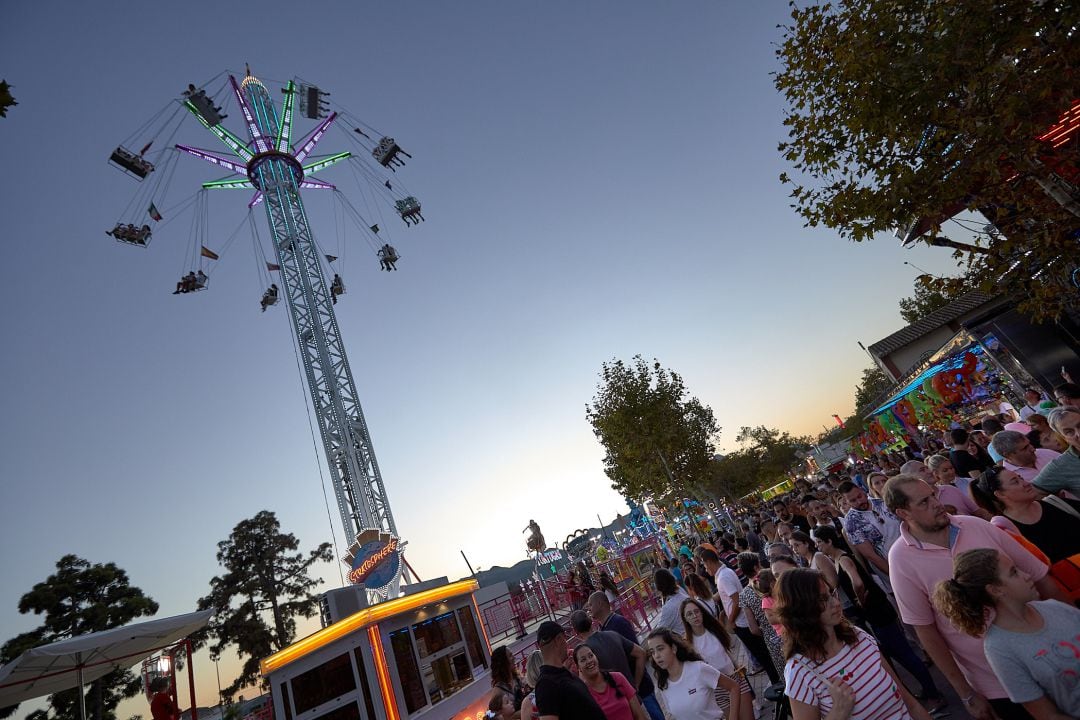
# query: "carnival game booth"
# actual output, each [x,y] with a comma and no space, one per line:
[964,380]
[424,655]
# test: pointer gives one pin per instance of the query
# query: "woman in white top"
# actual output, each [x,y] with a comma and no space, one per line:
[834,669]
[1028,642]
[708,638]
[687,685]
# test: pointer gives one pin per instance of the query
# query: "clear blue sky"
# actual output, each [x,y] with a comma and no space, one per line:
[599,180]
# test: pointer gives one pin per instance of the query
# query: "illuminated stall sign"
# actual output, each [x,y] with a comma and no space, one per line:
[376,562]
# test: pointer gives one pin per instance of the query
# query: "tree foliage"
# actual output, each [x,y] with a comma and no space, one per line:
[264,589]
[6,99]
[764,458]
[81,598]
[656,438]
[873,385]
[908,109]
[928,297]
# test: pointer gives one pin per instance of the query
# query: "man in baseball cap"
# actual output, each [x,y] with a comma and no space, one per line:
[559,693]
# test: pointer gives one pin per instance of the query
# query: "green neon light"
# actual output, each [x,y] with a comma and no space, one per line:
[231,141]
[325,162]
[227,185]
[284,137]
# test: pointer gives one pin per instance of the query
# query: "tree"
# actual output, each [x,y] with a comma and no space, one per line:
[873,385]
[657,440]
[765,458]
[264,589]
[78,599]
[910,110]
[6,99]
[928,297]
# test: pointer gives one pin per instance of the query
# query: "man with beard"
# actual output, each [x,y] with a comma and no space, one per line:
[923,557]
[785,512]
[871,529]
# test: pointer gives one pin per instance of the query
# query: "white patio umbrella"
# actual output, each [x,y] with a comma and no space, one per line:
[71,663]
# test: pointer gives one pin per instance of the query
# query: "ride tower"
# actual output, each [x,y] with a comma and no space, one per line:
[275,170]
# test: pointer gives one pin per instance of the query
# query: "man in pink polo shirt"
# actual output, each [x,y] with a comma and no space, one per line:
[1020,455]
[923,557]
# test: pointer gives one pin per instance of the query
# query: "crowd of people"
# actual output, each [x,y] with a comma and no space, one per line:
[962,552]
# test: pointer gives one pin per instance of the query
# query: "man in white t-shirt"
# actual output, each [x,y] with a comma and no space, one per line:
[728,588]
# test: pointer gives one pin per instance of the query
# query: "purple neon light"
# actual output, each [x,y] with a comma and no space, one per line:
[314,138]
[255,199]
[285,129]
[316,185]
[253,127]
[214,159]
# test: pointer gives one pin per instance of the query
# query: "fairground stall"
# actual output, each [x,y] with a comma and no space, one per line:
[963,381]
[424,655]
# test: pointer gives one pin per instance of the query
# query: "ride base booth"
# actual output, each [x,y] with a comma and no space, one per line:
[423,655]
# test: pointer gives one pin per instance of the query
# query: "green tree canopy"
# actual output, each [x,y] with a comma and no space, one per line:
[264,589]
[81,598]
[928,297]
[764,458]
[6,99]
[873,385]
[656,438]
[907,109]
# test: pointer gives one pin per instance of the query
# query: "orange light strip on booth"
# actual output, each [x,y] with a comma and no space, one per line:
[388,697]
[358,620]
[487,643]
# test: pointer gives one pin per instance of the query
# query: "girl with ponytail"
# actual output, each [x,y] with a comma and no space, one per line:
[1028,642]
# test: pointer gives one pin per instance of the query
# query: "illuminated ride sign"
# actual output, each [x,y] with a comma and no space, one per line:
[374,559]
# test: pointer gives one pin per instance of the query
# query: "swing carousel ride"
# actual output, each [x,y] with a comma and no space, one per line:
[276,169]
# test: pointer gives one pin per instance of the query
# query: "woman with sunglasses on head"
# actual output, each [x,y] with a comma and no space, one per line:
[687,685]
[708,638]
[1026,642]
[611,690]
[834,669]
[1049,524]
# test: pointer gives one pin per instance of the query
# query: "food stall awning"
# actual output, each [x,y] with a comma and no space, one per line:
[67,664]
[949,357]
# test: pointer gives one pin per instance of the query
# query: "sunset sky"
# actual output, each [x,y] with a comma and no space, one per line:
[599,180]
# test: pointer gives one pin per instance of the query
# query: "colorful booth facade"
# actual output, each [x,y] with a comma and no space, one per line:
[956,383]
[420,656]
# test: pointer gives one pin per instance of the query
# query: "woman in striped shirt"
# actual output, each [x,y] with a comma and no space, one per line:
[834,670]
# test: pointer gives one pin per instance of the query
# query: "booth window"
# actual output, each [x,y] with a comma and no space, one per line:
[436,634]
[321,684]
[444,661]
[412,687]
[472,638]
[365,684]
[285,701]
[348,711]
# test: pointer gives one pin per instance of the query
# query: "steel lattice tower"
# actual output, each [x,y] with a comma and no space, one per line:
[276,171]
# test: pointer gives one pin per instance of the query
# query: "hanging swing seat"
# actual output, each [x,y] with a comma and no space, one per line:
[205,105]
[131,163]
[409,210]
[131,235]
[387,151]
[192,283]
